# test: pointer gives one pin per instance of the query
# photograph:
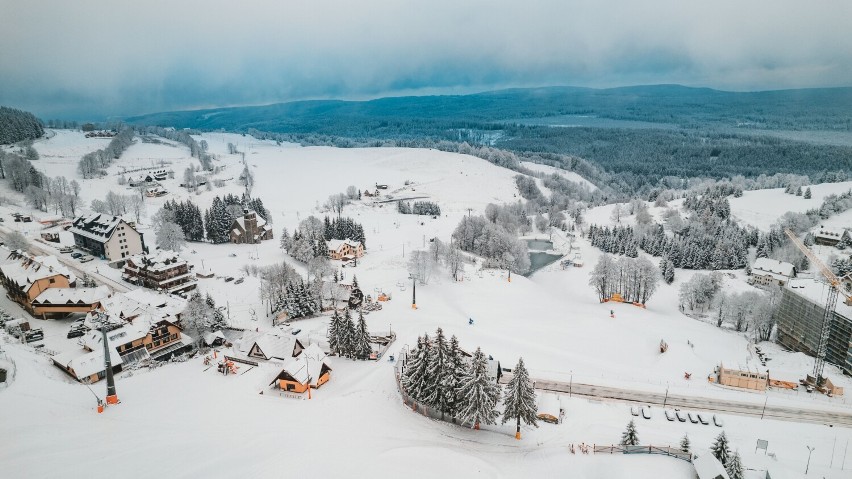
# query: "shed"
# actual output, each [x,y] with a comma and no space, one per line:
[549,407]
[708,467]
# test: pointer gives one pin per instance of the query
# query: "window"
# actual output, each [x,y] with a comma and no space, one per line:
[51,280]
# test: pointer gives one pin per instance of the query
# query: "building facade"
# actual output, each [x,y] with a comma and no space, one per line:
[161,271]
[766,272]
[345,249]
[800,318]
[250,229]
[108,237]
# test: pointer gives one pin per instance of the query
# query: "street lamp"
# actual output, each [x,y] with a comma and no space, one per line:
[665,399]
[810,450]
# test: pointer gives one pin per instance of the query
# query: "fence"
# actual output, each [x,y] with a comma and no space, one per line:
[663,450]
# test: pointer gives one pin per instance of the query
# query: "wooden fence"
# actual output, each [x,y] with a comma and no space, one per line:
[663,450]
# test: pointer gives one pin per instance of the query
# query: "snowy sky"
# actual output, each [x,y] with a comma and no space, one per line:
[99,57]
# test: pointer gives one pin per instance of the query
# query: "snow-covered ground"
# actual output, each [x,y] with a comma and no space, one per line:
[222,426]
[762,208]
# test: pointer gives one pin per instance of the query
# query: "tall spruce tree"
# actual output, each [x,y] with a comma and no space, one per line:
[439,363]
[478,394]
[415,379]
[362,349]
[334,332]
[630,436]
[519,399]
[734,467]
[348,339]
[455,373]
[720,449]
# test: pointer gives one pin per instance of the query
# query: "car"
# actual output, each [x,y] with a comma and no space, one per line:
[296,331]
[66,249]
[239,280]
[34,335]
[681,417]
[76,332]
[703,419]
[646,412]
[229,279]
[76,255]
[85,258]
[692,418]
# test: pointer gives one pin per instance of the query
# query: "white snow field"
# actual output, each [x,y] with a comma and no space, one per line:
[568,175]
[762,208]
[179,420]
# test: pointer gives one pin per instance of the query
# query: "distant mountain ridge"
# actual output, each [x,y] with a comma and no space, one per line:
[803,109]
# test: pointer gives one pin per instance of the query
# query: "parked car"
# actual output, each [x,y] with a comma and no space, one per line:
[86,258]
[34,335]
[76,255]
[296,331]
[229,279]
[239,280]
[692,418]
[66,249]
[718,421]
[646,412]
[703,419]
[680,415]
[76,332]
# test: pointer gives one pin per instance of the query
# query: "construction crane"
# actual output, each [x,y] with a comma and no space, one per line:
[830,304]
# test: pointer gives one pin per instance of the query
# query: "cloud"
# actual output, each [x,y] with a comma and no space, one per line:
[100,57]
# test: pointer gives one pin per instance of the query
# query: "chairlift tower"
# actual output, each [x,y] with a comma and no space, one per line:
[103,323]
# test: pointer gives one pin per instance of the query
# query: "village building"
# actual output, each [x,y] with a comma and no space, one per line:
[145,339]
[107,237]
[162,271]
[830,236]
[147,178]
[345,249]
[309,369]
[143,303]
[746,378]
[271,347]
[770,272]
[25,277]
[59,302]
[251,228]
[708,467]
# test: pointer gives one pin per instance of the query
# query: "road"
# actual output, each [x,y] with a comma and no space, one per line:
[40,249]
[801,413]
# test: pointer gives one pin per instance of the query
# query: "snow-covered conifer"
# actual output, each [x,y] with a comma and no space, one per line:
[630,437]
[519,398]
[478,393]
[720,449]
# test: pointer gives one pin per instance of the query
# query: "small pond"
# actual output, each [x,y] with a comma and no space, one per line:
[538,258]
[539,245]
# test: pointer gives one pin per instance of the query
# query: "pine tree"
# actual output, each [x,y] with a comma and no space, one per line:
[807,194]
[720,449]
[630,437]
[519,400]
[734,467]
[334,333]
[762,249]
[799,191]
[669,275]
[348,339]
[478,394]
[354,281]
[416,375]
[684,444]
[455,374]
[362,347]
[439,362]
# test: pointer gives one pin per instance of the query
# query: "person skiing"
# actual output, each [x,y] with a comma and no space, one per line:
[470,321]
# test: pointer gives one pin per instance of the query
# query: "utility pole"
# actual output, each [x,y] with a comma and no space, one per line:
[112,397]
[764,407]
[413,293]
[665,399]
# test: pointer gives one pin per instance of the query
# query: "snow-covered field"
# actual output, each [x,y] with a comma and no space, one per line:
[220,426]
[762,208]
[568,175]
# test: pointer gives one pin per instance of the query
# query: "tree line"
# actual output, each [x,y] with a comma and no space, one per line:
[18,125]
[419,208]
[309,239]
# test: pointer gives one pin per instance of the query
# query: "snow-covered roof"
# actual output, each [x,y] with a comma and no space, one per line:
[141,301]
[261,223]
[160,260]
[98,227]
[774,266]
[72,295]
[93,340]
[85,363]
[336,244]
[708,467]
[24,269]
[817,292]
[274,346]
[834,234]
[302,368]
[210,337]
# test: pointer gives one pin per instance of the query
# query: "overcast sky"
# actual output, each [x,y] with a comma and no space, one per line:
[82,59]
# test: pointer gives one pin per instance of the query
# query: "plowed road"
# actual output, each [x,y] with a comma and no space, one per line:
[803,413]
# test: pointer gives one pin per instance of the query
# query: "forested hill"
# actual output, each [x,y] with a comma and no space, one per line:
[17,125]
[806,109]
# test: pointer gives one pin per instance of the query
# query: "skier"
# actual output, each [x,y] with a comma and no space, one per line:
[470,321]
[611,313]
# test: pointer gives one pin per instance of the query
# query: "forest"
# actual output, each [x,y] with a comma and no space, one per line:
[17,125]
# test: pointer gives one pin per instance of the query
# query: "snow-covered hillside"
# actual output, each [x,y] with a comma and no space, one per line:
[199,423]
